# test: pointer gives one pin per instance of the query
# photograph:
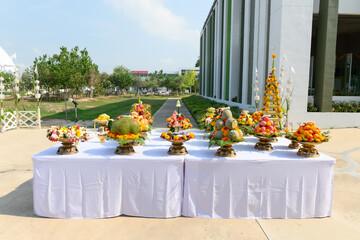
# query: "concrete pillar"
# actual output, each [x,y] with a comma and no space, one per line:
[326,54]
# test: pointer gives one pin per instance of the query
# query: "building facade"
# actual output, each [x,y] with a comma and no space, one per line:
[142,74]
[318,37]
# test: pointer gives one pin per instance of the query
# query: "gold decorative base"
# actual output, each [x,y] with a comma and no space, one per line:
[102,138]
[264,144]
[294,145]
[226,151]
[177,148]
[67,148]
[125,149]
[274,140]
[308,150]
[135,144]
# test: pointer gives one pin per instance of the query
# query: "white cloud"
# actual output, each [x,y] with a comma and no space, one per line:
[37,51]
[167,61]
[158,20]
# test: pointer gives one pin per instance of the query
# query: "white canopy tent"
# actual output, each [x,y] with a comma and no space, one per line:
[6,63]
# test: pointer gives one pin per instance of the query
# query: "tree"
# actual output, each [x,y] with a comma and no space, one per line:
[8,80]
[44,74]
[27,80]
[189,79]
[69,68]
[121,78]
[156,79]
[197,64]
[92,78]
[104,84]
[138,83]
[175,83]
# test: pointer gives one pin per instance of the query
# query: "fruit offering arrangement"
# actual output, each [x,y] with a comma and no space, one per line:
[178,120]
[145,126]
[256,116]
[72,134]
[124,130]
[216,116]
[245,119]
[141,111]
[272,99]
[309,132]
[265,128]
[226,130]
[178,136]
[205,122]
[103,117]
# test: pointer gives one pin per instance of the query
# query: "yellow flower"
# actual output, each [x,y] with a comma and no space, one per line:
[167,136]
[273,56]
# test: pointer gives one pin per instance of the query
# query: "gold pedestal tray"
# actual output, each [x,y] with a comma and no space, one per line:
[264,144]
[177,147]
[294,145]
[226,151]
[102,137]
[125,149]
[308,150]
[274,140]
[67,148]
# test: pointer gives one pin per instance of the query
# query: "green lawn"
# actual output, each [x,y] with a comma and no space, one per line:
[89,109]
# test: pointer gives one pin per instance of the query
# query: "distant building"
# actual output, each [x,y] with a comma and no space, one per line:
[142,74]
[183,70]
[320,39]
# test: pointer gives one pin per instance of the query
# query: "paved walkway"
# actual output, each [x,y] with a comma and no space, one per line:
[168,109]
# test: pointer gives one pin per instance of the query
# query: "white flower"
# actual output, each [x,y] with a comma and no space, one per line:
[54,136]
[282,69]
[289,90]
[256,89]
[289,81]
[256,82]
[281,74]
[208,120]
[257,98]
[280,89]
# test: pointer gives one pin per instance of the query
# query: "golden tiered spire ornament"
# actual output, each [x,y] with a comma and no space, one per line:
[271,105]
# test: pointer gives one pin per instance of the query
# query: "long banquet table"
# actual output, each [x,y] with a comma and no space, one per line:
[97,183]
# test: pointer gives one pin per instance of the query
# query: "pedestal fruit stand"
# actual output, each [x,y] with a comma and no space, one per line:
[177,139]
[126,131]
[265,130]
[226,134]
[309,135]
[68,136]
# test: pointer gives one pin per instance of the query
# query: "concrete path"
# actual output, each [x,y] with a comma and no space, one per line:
[168,109]
[17,220]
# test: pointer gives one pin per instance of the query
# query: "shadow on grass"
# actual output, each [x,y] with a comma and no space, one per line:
[19,202]
[112,109]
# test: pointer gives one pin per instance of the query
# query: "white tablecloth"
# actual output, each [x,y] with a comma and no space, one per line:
[256,184]
[97,183]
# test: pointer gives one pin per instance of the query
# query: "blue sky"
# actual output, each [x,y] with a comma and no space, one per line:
[139,34]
